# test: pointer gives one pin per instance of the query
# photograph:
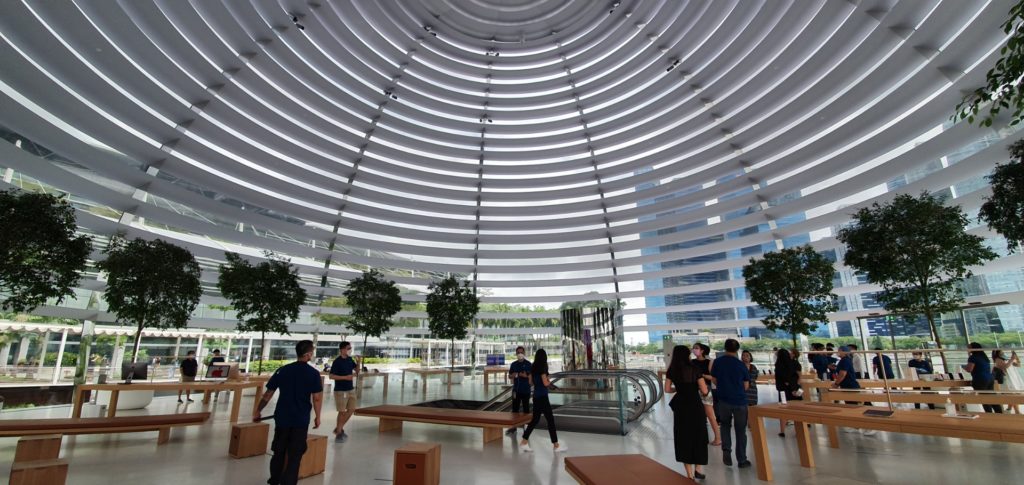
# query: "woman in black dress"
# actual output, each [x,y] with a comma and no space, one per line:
[689,428]
[787,380]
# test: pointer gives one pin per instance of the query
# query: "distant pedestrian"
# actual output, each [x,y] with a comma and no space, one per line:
[343,372]
[189,368]
[541,403]
[519,372]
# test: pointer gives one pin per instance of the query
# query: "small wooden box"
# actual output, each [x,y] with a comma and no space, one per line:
[248,439]
[418,464]
[314,460]
[48,472]
[37,448]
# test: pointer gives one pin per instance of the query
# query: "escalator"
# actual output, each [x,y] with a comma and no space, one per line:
[595,401]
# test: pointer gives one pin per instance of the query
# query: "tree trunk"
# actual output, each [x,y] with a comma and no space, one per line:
[451,354]
[138,341]
[259,362]
[935,335]
[365,336]
[794,339]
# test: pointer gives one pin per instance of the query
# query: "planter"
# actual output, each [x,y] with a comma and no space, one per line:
[126,399]
[457,377]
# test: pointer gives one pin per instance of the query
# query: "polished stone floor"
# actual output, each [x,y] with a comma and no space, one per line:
[198,455]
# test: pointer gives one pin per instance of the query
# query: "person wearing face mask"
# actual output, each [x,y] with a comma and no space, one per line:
[519,372]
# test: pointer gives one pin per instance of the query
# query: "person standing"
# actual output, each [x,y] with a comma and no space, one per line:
[343,372]
[703,364]
[883,368]
[216,359]
[819,361]
[189,368]
[748,360]
[301,391]
[731,380]
[787,381]
[689,431]
[858,362]
[519,372]
[923,367]
[541,404]
[981,375]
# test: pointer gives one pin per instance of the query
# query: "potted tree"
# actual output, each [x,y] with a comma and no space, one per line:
[40,255]
[794,288]
[151,283]
[374,301]
[266,296]
[451,307]
[1003,211]
[917,250]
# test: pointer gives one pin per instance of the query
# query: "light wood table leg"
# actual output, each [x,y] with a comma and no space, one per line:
[259,397]
[424,377]
[112,405]
[389,425]
[76,409]
[833,436]
[236,405]
[486,375]
[206,397]
[492,434]
[450,377]
[163,436]
[403,378]
[803,441]
[385,377]
[761,457]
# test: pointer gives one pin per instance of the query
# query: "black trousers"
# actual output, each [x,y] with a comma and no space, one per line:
[987,386]
[288,446]
[520,402]
[542,406]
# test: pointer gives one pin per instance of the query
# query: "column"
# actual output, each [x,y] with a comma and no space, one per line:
[22,350]
[227,350]
[115,363]
[248,356]
[5,354]
[177,347]
[60,357]
[84,351]
[42,352]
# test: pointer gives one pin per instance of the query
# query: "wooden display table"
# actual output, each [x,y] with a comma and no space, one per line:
[493,423]
[494,370]
[371,375]
[38,447]
[248,439]
[418,464]
[1012,399]
[47,472]
[619,469]
[990,427]
[892,384]
[425,373]
[205,387]
[314,460]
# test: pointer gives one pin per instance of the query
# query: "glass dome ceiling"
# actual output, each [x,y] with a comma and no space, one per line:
[546,149]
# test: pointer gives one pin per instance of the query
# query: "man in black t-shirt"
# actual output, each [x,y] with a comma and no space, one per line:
[301,391]
[189,367]
[343,372]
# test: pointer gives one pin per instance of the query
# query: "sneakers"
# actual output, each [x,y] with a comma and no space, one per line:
[727,460]
[190,400]
[561,448]
[511,431]
[744,464]
[525,447]
[180,401]
[341,437]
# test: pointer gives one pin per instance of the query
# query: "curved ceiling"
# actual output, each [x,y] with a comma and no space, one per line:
[544,148]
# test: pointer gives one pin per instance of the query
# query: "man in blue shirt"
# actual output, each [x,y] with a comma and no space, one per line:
[732,379]
[301,390]
[519,372]
[846,378]
[886,366]
[923,368]
[344,370]
[819,361]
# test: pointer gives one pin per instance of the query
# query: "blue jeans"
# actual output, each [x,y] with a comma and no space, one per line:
[735,417]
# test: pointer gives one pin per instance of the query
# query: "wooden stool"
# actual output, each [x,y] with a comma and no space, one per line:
[38,448]
[47,472]
[314,460]
[248,439]
[418,464]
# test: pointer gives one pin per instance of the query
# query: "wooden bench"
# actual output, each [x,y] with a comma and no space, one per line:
[493,424]
[161,423]
[619,469]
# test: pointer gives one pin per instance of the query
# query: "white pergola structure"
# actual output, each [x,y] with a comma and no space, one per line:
[550,151]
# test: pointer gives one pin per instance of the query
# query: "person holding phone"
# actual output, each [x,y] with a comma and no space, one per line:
[519,372]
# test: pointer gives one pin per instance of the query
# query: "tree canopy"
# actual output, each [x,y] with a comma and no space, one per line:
[794,287]
[266,296]
[374,301]
[1003,211]
[451,307]
[40,255]
[917,250]
[1002,87]
[151,283]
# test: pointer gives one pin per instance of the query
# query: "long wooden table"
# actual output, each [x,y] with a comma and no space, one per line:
[990,427]
[205,387]
[892,384]
[424,373]
[1012,399]
[494,370]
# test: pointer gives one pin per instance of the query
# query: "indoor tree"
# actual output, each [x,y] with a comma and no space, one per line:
[917,250]
[794,287]
[1002,87]
[451,307]
[150,283]
[266,296]
[1003,211]
[374,301]
[40,255]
